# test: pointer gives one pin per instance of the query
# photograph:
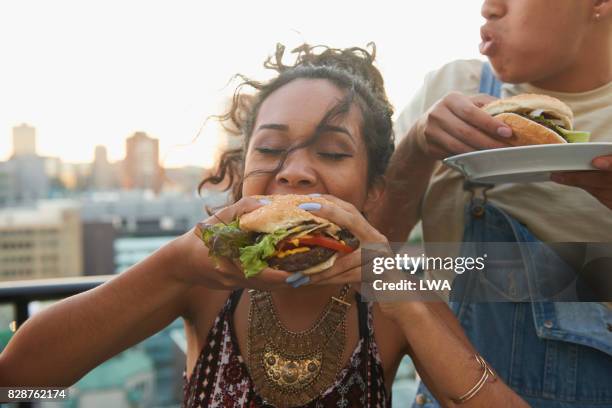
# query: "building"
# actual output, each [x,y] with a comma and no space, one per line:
[23,177]
[30,182]
[183,179]
[125,381]
[144,214]
[141,169]
[24,140]
[103,175]
[7,184]
[98,248]
[41,241]
[76,176]
[128,251]
[169,361]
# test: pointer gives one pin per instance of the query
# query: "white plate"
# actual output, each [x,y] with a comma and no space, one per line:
[526,164]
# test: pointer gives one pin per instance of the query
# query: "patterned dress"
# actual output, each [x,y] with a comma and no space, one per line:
[221,378]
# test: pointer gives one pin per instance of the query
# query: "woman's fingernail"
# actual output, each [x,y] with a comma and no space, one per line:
[264,201]
[310,206]
[301,282]
[504,131]
[295,277]
[602,164]
[315,194]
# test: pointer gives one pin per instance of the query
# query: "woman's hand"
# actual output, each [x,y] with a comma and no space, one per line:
[353,267]
[347,268]
[598,183]
[195,266]
[456,124]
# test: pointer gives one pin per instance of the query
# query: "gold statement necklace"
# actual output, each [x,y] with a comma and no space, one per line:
[293,368]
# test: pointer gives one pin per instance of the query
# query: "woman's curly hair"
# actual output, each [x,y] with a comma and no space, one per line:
[350,69]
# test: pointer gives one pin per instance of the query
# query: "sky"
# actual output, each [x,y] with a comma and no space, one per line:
[85,73]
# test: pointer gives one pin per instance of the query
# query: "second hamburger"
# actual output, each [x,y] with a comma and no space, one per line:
[536,119]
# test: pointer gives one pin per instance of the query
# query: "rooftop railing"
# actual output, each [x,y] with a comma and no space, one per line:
[20,294]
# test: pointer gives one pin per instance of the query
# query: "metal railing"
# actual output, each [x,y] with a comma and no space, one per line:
[21,293]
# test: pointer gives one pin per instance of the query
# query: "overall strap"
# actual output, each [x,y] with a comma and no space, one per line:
[489,84]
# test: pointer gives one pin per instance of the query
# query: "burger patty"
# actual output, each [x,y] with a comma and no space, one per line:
[315,256]
[302,260]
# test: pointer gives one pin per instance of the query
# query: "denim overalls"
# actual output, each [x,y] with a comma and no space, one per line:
[554,354]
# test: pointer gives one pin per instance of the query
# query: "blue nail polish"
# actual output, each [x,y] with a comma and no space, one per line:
[315,195]
[301,282]
[264,201]
[295,277]
[310,206]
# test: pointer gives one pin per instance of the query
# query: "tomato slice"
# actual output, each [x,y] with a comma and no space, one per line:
[320,240]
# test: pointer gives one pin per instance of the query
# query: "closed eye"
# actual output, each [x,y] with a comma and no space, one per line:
[269,151]
[334,156]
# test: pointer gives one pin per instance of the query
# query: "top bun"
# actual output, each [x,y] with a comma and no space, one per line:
[282,213]
[526,103]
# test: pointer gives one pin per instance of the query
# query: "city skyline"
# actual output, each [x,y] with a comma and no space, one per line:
[20,147]
[103,71]
[11,149]
[27,176]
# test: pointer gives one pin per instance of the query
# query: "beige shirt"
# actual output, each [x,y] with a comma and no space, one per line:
[553,212]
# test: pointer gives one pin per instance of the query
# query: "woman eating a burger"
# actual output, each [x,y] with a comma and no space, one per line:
[320,131]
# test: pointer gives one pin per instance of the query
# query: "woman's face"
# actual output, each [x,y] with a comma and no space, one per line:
[531,40]
[335,164]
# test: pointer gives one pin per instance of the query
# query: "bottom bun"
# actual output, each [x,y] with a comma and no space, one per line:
[320,267]
[528,132]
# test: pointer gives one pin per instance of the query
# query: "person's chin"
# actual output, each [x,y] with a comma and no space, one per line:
[507,72]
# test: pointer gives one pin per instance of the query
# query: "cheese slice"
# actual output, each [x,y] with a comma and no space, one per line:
[288,252]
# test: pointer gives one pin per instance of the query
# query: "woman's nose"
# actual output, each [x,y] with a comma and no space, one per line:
[297,171]
[493,9]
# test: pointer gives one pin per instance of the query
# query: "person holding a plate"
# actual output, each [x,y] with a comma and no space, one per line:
[552,353]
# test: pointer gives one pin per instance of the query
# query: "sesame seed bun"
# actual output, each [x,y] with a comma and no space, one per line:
[283,213]
[526,131]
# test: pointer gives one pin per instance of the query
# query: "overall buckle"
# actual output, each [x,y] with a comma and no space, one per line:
[478,196]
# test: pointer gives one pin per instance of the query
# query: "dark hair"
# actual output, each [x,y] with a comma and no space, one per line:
[350,69]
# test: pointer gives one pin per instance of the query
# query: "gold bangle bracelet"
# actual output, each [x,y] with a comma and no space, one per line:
[486,373]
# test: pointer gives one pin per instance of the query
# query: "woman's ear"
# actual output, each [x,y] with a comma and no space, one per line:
[602,9]
[375,192]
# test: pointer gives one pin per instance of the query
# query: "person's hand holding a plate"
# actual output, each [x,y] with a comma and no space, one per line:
[597,182]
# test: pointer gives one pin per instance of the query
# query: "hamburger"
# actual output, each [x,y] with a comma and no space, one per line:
[536,119]
[279,235]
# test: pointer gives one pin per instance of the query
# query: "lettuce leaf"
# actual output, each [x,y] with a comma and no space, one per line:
[225,239]
[253,257]
[574,136]
[228,240]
